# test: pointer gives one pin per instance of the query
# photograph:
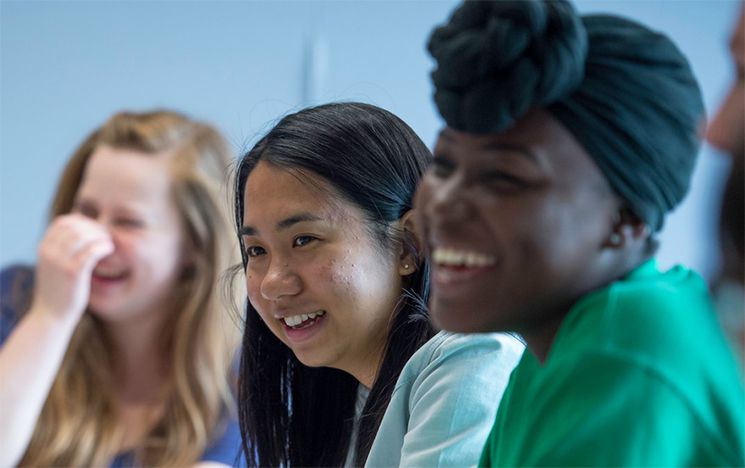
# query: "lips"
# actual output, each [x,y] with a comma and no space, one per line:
[301,328]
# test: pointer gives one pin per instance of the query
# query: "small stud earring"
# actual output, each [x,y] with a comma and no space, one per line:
[406,266]
[615,238]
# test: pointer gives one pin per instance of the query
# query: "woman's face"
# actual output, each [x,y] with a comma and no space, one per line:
[516,225]
[316,276]
[129,193]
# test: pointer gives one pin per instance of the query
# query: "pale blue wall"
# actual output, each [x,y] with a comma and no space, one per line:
[65,66]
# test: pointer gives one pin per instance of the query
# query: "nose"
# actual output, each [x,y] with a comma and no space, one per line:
[280,281]
[448,200]
[108,226]
[106,223]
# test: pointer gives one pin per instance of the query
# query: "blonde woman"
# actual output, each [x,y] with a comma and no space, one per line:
[115,350]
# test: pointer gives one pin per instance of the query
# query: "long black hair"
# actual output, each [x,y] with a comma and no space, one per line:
[291,414]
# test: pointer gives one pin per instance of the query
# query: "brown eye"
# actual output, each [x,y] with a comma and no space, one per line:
[254,251]
[301,241]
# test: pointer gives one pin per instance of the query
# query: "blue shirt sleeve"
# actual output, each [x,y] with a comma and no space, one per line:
[16,285]
[445,402]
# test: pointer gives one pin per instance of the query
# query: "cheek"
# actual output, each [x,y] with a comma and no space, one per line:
[532,233]
[423,203]
[423,192]
[343,280]
[164,251]
[334,276]
[726,128]
[253,286]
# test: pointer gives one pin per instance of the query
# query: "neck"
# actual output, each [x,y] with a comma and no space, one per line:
[139,358]
[540,339]
[365,369]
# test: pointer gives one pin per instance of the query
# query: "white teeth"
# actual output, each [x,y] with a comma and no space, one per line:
[446,256]
[295,320]
[291,321]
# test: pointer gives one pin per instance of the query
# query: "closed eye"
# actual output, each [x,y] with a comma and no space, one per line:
[128,222]
[85,209]
[499,179]
[442,167]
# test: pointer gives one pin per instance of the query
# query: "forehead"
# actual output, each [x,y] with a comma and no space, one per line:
[537,137]
[274,193]
[114,173]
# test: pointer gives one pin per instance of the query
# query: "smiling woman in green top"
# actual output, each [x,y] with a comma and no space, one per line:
[568,140]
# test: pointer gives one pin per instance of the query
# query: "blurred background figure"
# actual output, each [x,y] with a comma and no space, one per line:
[727,132]
[569,139]
[115,348]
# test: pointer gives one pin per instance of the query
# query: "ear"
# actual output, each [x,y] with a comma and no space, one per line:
[408,257]
[626,228]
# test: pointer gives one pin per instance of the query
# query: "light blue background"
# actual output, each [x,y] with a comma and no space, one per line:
[65,66]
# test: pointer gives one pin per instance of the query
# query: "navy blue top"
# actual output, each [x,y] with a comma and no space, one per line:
[16,284]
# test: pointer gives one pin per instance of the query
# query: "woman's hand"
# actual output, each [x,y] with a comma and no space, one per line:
[67,255]
[30,358]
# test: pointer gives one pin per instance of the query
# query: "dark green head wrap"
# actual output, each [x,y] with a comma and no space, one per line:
[626,93]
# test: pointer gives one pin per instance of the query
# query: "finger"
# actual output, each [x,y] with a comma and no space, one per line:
[91,254]
[74,222]
[67,239]
[82,239]
[63,251]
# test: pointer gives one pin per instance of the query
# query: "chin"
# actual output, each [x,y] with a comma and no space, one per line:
[309,360]
[110,313]
[103,314]
[458,319]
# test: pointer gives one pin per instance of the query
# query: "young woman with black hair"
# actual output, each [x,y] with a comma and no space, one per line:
[337,289]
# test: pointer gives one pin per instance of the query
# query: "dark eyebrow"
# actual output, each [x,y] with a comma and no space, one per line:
[446,133]
[284,224]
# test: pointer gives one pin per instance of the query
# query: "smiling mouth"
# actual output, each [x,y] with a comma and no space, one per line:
[109,275]
[454,269]
[454,258]
[297,322]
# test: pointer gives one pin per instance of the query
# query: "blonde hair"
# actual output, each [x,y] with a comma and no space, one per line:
[78,424]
